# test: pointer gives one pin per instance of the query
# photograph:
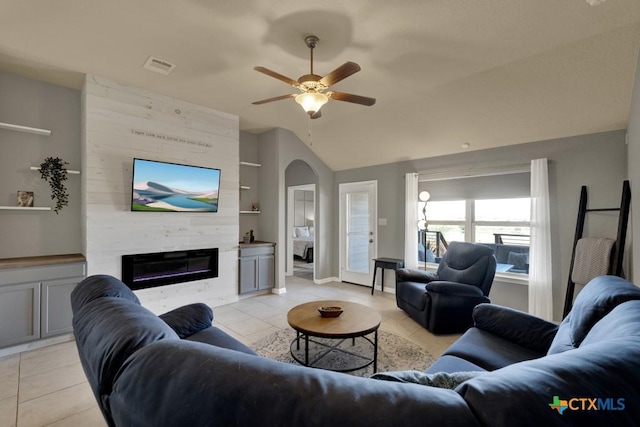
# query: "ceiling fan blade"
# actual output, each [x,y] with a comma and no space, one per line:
[276,98]
[317,115]
[340,73]
[278,76]
[356,99]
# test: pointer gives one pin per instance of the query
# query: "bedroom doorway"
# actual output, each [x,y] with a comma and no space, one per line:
[301,208]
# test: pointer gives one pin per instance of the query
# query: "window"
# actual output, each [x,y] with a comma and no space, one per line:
[503,224]
[499,219]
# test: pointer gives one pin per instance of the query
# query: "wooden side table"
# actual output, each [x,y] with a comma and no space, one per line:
[388,263]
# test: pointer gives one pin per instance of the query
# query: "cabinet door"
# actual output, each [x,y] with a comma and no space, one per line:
[248,274]
[19,316]
[266,272]
[56,306]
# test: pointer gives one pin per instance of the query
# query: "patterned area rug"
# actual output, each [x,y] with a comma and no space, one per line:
[394,352]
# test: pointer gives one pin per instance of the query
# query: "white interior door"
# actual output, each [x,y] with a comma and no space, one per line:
[358,233]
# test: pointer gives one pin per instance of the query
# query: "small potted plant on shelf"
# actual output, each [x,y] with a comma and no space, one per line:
[54,172]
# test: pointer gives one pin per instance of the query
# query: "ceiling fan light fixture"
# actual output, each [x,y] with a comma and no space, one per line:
[311,102]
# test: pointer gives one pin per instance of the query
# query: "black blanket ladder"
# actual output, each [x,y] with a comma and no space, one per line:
[615,267]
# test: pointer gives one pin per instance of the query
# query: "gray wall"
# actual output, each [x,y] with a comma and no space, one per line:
[42,105]
[598,161]
[277,149]
[634,171]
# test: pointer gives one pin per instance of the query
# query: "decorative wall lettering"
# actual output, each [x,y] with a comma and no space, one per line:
[170,138]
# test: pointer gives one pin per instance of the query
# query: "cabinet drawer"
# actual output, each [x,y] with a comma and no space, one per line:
[255,251]
[41,273]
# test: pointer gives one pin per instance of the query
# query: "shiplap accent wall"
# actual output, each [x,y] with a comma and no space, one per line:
[122,122]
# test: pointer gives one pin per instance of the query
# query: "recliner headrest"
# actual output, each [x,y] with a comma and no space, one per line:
[461,255]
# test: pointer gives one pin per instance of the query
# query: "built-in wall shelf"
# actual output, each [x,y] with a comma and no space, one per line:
[255,165]
[245,187]
[249,212]
[69,171]
[27,129]
[20,208]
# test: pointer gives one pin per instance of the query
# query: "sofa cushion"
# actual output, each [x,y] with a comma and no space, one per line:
[448,380]
[515,326]
[184,383]
[189,319]
[562,341]
[622,322]
[216,336]
[108,331]
[519,261]
[489,351]
[596,300]
[521,394]
[99,286]
[449,363]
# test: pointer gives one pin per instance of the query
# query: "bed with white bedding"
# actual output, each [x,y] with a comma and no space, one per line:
[303,243]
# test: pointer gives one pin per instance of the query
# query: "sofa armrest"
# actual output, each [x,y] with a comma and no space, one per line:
[454,289]
[189,319]
[411,275]
[515,326]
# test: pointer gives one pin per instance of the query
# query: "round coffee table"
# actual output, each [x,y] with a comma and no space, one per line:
[335,343]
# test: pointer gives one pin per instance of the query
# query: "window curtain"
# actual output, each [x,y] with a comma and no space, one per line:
[540,277]
[411,221]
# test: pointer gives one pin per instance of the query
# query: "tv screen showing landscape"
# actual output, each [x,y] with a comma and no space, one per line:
[171,187]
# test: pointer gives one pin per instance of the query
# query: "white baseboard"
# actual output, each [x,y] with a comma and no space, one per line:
[34,345]
[325,280]
[279,291]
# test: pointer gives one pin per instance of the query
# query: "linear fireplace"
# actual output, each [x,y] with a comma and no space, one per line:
[164,268]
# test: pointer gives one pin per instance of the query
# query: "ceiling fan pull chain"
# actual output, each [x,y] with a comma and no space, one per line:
[310,136]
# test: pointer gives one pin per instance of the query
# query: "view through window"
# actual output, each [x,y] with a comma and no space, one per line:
[502,224]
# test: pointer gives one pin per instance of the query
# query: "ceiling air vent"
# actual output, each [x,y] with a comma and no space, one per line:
[159,65]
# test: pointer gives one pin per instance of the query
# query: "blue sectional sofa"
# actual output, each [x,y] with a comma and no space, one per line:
[179,370]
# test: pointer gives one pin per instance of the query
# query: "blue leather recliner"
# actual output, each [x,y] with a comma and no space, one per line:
[443,301]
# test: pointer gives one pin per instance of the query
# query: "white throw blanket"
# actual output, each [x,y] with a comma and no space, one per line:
[593,255]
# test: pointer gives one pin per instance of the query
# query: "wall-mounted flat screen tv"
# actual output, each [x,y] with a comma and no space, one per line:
[171,187]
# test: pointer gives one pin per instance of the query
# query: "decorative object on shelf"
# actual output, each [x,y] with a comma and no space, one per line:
[53,171]
[255,207]
[330,311]
[252,238]
[246,238]
[25,199]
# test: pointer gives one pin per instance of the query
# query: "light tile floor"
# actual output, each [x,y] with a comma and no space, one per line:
[47,387]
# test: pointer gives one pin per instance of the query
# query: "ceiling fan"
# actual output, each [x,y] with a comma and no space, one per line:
[312,87]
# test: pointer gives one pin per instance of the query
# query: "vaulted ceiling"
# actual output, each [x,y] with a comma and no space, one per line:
[444,72]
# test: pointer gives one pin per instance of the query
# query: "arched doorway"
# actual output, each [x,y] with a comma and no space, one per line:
[300,182]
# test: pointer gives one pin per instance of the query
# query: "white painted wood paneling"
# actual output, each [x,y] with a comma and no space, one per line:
[122,122]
